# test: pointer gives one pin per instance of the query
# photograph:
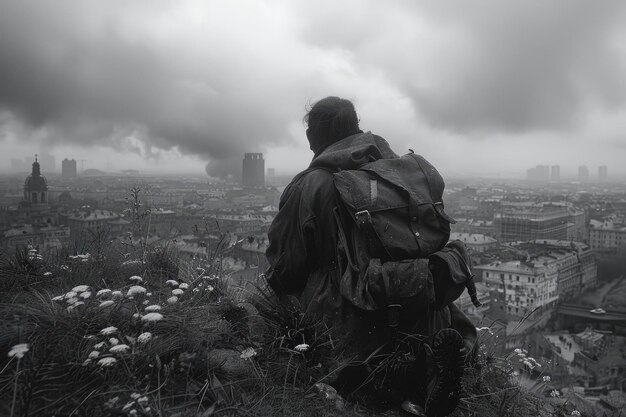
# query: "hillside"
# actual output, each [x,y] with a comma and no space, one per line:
[122,329]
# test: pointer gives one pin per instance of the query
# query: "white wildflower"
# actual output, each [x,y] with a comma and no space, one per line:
[172,300]
[546,378]
[172,282]
[119,348]
[576,413]
[98,345]
[107,362]
[148,294]
[555,393]
[106,303]
[136,315]
[58,298]
[114,341]
[70,294]
[303,347]
[135,290]
[117,295]
[210,288]
[47,274]
[108,330]
[518,351]
[177,292]
[247,353]
[183,286]
[136,278]
[65,268]
[19,350]
[146,302]
[144,338]
[135,395]
[196,290]
[103,293]
[94,354]
[81,288]
[152,317]
[153,307]
[142,400]
[85,295]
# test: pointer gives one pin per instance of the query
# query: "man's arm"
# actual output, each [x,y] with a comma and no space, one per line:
[291,242]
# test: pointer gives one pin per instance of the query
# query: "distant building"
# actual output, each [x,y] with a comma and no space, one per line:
[583,173]
[529,221]
[253,170]
[68,168]
[546,270]
[36,186]
[271,175]
[606,238]
[517,288]
[539,173]
[86,219]
[555,173]
[475,242]
[603,173]
[33,222]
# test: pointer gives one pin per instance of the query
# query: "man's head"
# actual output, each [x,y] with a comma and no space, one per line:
[329,120]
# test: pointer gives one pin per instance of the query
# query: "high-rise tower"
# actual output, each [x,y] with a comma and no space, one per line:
[253,170]
[68,168]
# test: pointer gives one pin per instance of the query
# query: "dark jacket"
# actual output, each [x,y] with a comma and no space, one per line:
[303,251]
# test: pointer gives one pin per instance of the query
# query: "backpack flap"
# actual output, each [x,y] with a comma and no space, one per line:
[407,215]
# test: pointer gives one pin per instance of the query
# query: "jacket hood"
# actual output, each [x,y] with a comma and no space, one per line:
[353,151]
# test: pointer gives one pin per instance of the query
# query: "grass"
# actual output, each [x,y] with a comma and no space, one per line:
[213,351]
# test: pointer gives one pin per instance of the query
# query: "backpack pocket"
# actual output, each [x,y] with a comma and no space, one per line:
[381,284]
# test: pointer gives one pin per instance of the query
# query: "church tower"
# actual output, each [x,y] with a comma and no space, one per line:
[36,186]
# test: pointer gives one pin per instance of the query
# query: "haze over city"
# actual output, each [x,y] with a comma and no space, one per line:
[191,86]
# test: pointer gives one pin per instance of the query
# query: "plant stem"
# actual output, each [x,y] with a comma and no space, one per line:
[17,373]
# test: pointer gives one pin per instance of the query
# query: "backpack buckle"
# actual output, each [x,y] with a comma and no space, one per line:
[393,315]
[363,217]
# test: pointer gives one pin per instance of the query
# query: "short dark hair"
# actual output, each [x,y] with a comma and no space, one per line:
[331,119]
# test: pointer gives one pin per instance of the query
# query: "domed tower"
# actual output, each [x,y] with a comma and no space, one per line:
[36,186]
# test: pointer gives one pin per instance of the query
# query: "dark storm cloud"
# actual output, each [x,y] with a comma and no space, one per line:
[83,72]
[490,66]
[535,66]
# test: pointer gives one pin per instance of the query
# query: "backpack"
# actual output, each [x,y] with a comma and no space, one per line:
[393,234]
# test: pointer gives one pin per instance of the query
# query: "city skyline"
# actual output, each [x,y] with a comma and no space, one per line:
[197,85]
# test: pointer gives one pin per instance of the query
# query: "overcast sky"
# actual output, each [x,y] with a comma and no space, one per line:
[487,86]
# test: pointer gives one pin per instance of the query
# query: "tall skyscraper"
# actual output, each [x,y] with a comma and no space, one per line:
[583,173]
[253,170]
[543,172]
[603,173]
[555,173]
[68,168]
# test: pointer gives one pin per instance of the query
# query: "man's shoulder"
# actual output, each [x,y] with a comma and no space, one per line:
[313,176]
